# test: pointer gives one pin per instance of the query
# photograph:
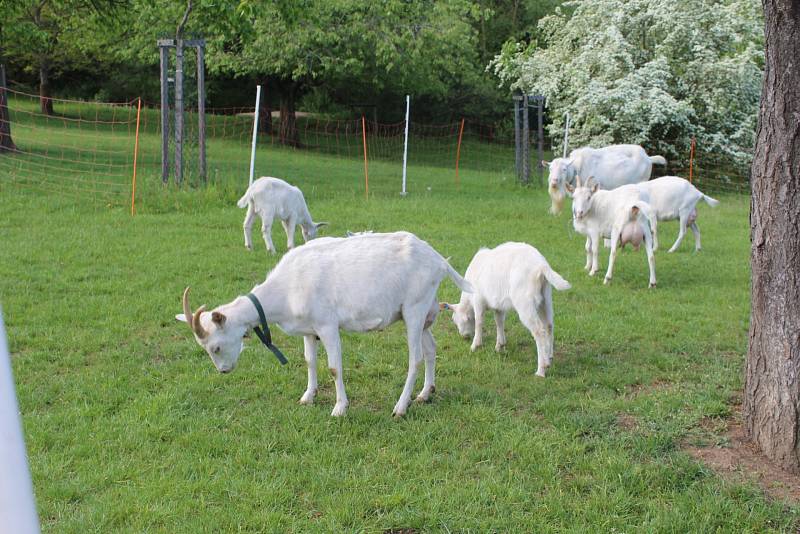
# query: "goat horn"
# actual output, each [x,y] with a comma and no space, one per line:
[577,181]
[193,318]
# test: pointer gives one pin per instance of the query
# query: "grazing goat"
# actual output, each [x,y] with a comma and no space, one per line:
[270,198]
[358,284]
[673,198]
[511,276]
[611,167]
[597,214]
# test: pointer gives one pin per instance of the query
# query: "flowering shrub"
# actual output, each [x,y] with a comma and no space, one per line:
[650,72]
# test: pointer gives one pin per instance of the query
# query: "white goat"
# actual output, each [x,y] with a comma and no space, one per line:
[270,198]
[597,214]
[358,284]
[511,276]
[673,198]
[611,167]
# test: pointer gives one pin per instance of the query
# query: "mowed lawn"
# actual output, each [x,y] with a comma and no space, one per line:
[129,427]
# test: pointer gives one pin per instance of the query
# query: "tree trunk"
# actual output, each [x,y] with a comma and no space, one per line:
[289,135]
[6,143]
[45,94]
[772,380]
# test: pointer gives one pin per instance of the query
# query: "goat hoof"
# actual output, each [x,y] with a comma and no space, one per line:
[606,281]
[339,409]
[540,374]
[652,286]
[499,348]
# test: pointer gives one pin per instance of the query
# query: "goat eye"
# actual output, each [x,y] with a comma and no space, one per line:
[216,350]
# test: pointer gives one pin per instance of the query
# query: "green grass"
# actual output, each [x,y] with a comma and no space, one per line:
[130,429]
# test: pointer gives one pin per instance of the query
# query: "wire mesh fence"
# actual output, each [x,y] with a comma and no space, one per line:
[86,150]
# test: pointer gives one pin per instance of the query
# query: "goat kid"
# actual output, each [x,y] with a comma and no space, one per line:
[270,198]
[360,283]
[512,276]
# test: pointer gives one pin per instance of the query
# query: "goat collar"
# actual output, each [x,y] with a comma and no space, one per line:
[263,332]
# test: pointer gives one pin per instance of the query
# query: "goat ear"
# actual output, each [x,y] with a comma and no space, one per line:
[218,318]
[594,187]
[569,187]
[321,224]
[545,163]
[182,318]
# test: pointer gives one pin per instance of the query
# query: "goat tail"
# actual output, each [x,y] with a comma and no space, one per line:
[658,160]
[710,201]
[458,280]
[245,200]
[652,220]
[555,279]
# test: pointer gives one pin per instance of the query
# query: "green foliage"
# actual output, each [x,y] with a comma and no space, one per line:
[651,72]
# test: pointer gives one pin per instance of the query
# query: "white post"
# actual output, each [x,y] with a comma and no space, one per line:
[566,134]
[17,506]
[405,146]
[255,135]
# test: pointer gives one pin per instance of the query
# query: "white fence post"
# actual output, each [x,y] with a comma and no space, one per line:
[405,145]
[17,505]
[255,136]
[566,133]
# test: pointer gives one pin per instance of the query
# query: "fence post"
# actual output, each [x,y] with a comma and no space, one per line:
[366,170]
[178,111]
[201,110]
[526,142]
[517,138]
[458,150]
[17,506]
[135,155]
[405,144]
[540,134]
[164,53]
[691,158]
[255,136]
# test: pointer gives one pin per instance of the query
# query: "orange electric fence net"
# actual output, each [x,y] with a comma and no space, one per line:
[87,150]
[83,149]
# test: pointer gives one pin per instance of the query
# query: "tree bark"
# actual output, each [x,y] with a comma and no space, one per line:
[6,143]
[772,377]
[265,109]
[45,93]
[289,135]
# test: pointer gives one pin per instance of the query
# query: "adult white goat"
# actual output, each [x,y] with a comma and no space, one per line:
[672,197]
[270,198]
[611,167]
[598,214]
[360,283]
[511,276]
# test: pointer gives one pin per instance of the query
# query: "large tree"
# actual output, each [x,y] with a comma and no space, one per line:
[772,381]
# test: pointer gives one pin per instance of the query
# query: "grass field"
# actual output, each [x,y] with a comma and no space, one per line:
[130,429]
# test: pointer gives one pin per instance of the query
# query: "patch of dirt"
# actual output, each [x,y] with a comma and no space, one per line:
[627,422]
[738,457]
[634,390]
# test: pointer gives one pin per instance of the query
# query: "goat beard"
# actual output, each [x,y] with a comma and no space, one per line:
[557,199]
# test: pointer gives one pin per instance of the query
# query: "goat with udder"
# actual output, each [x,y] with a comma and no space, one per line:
[512,276]
[597,214]
[360,283]
[611,167]
[672,197]
[270,198]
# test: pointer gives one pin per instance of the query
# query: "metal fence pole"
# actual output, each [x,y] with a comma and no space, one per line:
[164,53]
[540,133]
[526,142]
[178,111]
[201,110]
[517,139]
